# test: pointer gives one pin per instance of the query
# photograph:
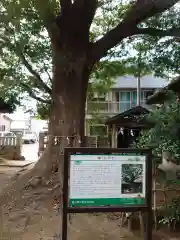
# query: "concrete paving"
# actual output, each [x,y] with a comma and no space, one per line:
[30,151]
[15,163]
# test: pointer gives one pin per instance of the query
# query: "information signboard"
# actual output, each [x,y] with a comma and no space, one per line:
[102,180]
[107,180]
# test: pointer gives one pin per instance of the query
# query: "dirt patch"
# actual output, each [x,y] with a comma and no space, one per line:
[31,213]
[47,225]
[6,173]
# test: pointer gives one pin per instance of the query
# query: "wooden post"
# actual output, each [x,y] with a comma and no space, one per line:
[141,221]
[114,136]
[154,196]
[123,217]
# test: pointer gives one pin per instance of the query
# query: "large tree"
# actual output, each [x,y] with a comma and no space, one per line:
[72,49]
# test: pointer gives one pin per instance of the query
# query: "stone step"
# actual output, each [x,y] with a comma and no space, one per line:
[15,163]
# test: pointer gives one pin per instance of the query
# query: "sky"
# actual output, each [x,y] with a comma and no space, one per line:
[20,111]
[18,115]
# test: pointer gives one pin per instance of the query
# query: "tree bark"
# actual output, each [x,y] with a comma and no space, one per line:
[66,125]
[70,80]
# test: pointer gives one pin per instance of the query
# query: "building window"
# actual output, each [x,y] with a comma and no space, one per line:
[98,130]
[2,127]
[128,99]
[124,101]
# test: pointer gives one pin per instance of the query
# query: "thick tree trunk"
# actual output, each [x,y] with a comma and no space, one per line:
[66,127]
[68,94]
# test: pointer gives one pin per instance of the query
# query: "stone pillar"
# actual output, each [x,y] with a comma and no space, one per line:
[19,143]
[41,143]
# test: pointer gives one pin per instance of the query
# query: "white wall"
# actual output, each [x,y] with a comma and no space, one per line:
[6,122]
[37,125]
[19,124]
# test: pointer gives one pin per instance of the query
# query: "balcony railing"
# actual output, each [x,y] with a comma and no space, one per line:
[110,107]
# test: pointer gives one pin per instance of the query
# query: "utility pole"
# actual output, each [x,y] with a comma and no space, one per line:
[139,79]
[138,91]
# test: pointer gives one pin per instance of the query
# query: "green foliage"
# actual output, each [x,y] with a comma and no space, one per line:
[24,41]
[171,213]
[164,136]
[98,130]
[26,56]
[103,76]
[166,60]
[160,55]
[139,65]
[43,111]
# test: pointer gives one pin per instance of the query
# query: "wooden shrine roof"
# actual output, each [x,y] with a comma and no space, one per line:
[132,118]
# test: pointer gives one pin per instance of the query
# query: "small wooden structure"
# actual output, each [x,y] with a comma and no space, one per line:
[125,127]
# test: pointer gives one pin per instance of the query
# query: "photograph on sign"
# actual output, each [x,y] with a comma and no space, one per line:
[107,180]
[132,181]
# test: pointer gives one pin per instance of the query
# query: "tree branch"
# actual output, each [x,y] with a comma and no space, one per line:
[33,95]
[18,51]
[65,6]
[158,32]
[138,12]
[47,72]
[110,40]
[46,12]
[50,79]
[40,82]
[144,9]
[87,8]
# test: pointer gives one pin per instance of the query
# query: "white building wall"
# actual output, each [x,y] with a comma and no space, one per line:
[38,125]
[5,123]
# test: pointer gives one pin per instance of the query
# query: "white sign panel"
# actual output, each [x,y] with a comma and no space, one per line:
[99,180]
